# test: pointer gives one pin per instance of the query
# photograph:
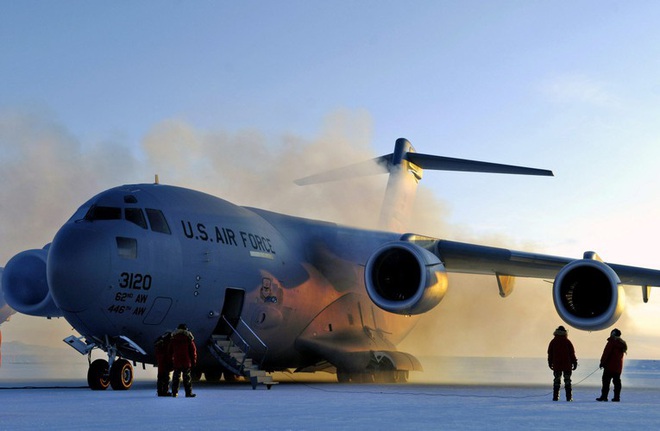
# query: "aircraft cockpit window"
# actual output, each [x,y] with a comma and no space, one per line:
[135,215]
[103,213]
[127,247]
[157,221]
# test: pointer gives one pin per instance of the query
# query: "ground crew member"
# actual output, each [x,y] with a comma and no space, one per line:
[611,363]
[164,362]
[561,360]
[184,356]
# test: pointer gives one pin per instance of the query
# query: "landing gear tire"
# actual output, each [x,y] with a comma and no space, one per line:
[389,376]
[97,375]
[121,375]
[213,375]
[401,376]
[347,377]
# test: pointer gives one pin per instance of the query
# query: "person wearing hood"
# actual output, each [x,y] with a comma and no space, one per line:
[562,361]
[183,352]
[164,362]
[611,362]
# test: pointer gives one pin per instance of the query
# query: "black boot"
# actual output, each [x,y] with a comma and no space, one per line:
[569,393]
[617,390]
[175,386]
[603,393]
[555,394]
[603,397]
[189,392]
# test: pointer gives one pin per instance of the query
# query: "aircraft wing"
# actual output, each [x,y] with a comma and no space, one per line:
[478,259]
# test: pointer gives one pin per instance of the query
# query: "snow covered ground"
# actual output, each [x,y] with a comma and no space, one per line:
[49,390]
[322,406]
[296,404]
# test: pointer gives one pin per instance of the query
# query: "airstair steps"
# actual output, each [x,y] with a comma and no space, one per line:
[232,357]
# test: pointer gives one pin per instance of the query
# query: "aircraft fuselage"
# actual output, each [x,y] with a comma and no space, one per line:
[138,260]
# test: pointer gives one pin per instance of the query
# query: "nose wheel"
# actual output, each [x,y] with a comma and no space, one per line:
[119,375]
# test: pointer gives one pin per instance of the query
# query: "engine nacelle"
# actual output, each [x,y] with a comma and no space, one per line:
[25,286]
[404,278]
[588,295]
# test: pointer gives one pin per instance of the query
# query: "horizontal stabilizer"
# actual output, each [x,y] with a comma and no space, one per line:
[384,164]
[376,166]
[440,163]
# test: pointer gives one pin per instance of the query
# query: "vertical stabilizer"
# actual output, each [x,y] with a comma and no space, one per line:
[401,188]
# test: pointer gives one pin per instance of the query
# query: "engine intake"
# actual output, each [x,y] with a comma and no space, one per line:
[588,295]
[25,286]
[404,278]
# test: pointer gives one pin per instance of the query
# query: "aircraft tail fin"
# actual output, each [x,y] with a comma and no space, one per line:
[406,168]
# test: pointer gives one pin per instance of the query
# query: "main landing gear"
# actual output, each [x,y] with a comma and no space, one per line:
[382,376]
[116,371]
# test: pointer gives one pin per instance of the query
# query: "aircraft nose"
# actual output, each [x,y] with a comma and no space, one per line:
[78,266]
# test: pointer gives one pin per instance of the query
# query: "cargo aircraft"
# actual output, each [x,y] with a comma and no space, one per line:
[265,292]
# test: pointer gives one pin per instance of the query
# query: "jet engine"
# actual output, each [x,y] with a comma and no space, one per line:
[25,286]
[404,278]
[588,294]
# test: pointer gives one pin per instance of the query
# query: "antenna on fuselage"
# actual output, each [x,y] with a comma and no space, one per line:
[156,179]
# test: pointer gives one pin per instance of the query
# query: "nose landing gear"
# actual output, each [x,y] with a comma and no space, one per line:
[116,372]
[119,375]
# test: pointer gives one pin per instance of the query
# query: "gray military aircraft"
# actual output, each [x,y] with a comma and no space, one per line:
[264,292]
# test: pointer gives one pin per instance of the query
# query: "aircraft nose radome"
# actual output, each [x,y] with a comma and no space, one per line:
[78,266]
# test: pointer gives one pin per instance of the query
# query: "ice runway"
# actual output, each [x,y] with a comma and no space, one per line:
[502,393]
[68,405]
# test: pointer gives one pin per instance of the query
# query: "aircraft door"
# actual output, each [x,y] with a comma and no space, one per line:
[231,311]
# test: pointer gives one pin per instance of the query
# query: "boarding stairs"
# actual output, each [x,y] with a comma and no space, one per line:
[233,353]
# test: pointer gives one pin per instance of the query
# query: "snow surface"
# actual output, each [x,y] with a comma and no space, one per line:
[50,392]
[323,406]
[70,405]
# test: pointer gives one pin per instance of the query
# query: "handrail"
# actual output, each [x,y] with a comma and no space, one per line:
[254,334]
[247,345]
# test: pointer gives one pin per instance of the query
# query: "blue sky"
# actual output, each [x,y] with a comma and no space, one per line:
[569,86]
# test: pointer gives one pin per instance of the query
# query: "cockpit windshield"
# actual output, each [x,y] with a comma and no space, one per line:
[103,213]
[136,216]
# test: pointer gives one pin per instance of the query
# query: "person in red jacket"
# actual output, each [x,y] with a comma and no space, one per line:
[611,362]
[184,356]
[562,361]
[164,362]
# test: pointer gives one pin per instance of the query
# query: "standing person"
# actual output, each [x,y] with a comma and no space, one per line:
[184,356]
[164,362]
[611,363]
[561,360]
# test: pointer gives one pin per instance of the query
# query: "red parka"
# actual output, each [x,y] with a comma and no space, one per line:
[163,357]
[612,358]
[182,349]
[561,354]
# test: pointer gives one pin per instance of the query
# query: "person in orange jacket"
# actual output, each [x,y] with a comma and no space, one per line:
[562,361]
[611,362]
[164,362]
[183,352]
